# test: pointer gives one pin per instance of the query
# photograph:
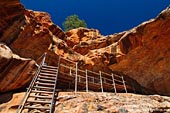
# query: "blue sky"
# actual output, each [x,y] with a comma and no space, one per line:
[108,16]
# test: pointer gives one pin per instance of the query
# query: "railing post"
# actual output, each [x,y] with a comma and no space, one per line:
[87,90]
[114,85]
[101,82]
[70,71]
[124,84]
[43,61]
[76,77]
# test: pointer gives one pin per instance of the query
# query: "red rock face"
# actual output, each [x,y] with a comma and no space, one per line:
[12,18]
[141,54]
[16,72]
[36,36]
[147,54]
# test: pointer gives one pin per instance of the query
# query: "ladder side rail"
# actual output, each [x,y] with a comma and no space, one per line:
[28,91]
[55,86]
[20,108]
[44,58]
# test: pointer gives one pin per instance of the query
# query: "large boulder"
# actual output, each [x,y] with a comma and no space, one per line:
[15,72]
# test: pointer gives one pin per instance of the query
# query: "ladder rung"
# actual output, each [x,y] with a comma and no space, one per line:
[45,80]
[34,107]
[44,84]
[43,87]
[44,97]
[36,101]
[35,91]
[45,71]
[50,67]
[48,74]
[45,77]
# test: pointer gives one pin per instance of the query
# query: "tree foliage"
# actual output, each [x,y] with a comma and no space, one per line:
[73,22]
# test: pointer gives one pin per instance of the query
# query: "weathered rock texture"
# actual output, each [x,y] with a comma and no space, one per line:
[99,103]
[12,19]
[141,54]
[147,54]
[29,35]
[18,71]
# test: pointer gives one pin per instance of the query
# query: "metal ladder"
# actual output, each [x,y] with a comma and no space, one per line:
[41,94]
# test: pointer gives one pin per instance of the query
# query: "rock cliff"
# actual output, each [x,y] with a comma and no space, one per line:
[146,52]
[140,54]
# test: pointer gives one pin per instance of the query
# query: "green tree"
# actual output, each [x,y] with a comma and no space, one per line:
[72,22]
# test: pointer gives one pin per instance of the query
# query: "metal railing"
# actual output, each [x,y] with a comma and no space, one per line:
[91,77]
[86,77]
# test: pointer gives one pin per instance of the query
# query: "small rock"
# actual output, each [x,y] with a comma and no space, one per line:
[100,108]
[123,110]
[157,98]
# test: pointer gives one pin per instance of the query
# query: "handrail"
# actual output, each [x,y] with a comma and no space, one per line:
[94,79]
[89,71]
[82,77]
[80,69]
[93,72]
[110,74]
[105,73]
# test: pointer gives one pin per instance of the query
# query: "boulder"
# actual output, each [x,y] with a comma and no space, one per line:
[15,72]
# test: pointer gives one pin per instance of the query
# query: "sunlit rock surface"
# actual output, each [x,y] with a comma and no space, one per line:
[147,54]
[15,72]
[140,54]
